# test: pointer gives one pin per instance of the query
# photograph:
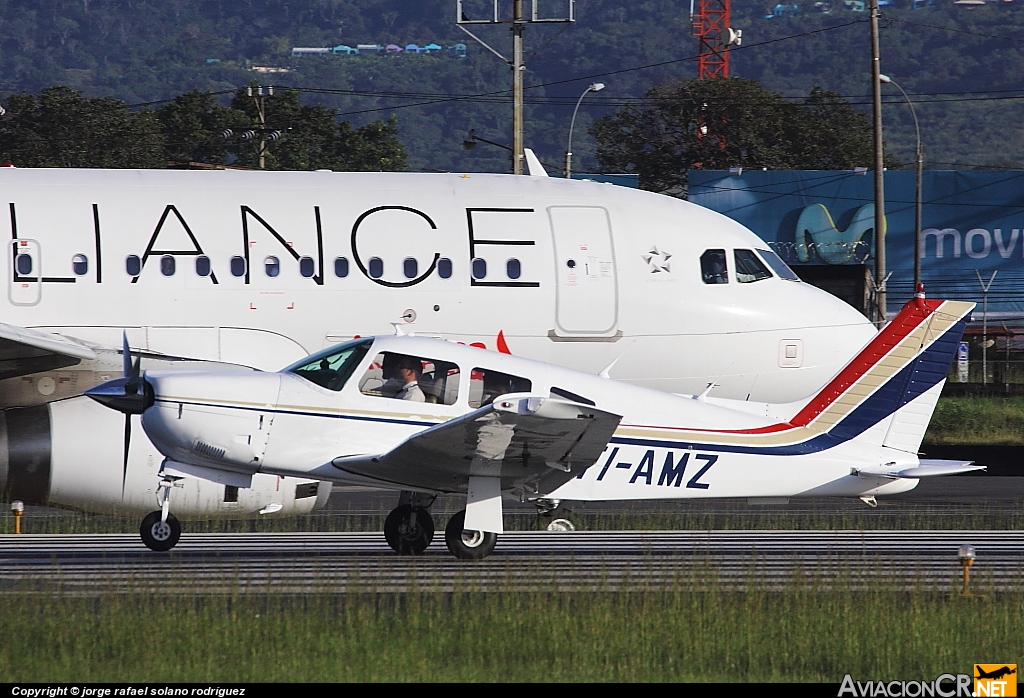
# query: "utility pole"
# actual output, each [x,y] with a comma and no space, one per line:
[261,110]
[876,108]
[518,20]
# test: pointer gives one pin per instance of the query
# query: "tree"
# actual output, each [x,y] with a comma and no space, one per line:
[723,123]
[58,127]
[193,125]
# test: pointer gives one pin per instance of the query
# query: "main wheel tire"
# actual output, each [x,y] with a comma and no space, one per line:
[409,530]
[160,535]
[467,545]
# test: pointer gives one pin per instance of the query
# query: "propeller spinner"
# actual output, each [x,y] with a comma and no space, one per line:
[130,393]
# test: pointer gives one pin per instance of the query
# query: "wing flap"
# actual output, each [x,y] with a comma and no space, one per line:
[534,442]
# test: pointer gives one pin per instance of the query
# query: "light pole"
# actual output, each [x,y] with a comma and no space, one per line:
[917,190]
[876,113]
[596,87]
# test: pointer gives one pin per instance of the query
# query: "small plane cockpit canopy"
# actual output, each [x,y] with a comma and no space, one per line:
[485,385]
[331,368]
[413,378]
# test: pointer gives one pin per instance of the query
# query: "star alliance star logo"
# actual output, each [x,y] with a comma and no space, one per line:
[657,261]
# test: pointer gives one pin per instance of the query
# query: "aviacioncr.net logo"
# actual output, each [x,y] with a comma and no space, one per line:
[944,686]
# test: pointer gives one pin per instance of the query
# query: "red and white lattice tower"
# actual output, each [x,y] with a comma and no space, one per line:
[709,22]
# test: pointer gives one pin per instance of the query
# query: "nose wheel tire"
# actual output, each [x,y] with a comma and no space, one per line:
[467,545]
[160,535]
[409,530]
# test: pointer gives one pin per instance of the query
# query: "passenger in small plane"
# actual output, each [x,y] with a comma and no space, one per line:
[402,373]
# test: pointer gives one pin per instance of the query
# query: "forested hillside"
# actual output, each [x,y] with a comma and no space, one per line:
[148,50]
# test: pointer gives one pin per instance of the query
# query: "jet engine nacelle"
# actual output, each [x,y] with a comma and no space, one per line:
[72,453]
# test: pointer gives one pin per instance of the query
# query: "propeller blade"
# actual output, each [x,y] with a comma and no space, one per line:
[126,355]
[132,385]
[127,445]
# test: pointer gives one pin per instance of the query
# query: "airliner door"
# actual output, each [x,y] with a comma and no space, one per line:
[24,262]
[586,294]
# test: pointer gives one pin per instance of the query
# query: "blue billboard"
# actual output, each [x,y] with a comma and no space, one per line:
[971,224]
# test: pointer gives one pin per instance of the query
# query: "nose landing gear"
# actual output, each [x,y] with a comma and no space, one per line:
[160,530]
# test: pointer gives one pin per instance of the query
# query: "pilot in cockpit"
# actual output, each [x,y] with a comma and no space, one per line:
[402,374]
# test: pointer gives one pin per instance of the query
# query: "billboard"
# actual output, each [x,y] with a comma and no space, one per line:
[972,225]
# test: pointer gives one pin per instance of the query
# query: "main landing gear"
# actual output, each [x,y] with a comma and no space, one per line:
[160,530]
[409,529]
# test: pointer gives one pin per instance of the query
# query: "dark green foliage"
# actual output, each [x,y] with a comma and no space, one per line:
[718,124]
[192,126]
[60,128]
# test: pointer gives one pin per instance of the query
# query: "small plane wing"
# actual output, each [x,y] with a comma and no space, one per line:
[524,440]
[24,351]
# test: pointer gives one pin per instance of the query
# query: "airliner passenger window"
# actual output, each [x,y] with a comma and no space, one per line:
[485,385]
[411,378]
[237,266]
[80,264]
[513,269]
[272,265]
[331,368]
[202,265]
[133,265]
[307,267]
[376,267]
[444,268]
[778,266]
[410,267]
[341,267]
[749,268]
[23,263]
[479,268]
[713,269]
[167,265]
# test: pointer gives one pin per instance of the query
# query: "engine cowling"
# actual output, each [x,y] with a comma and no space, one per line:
[71,453]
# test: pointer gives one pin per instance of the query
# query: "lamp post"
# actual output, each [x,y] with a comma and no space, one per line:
[596,87]
[917,189]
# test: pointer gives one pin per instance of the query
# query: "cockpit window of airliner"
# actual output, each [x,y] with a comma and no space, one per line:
[332,367]
[713,268]
[778,266]
[749,268]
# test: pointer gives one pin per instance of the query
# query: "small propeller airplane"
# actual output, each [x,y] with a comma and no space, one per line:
[428,416]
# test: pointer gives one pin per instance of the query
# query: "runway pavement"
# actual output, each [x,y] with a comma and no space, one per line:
[580,561]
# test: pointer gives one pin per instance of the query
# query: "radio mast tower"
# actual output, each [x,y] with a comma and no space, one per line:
[709,22]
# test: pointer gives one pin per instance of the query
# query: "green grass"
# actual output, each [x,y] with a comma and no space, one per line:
[990,421]
[799,635]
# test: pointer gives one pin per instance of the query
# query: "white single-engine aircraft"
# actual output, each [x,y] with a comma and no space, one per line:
[429,416]
[258,269]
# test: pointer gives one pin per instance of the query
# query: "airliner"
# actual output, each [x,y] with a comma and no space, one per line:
[429,417]
[254,270]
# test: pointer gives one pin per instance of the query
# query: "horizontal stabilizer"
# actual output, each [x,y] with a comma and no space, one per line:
[926,468]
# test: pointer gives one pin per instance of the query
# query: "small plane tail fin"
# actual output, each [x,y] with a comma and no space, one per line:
[886,394]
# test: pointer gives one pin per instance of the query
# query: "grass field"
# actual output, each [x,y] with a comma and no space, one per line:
[993,421]
[799,635]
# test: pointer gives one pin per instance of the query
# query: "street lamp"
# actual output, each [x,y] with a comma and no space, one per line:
[596,87]
[917,190]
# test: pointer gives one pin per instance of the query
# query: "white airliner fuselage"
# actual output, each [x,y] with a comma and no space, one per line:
[261,268]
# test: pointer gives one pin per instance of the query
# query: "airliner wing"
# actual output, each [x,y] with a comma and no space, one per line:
[24,351]
[526,440]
